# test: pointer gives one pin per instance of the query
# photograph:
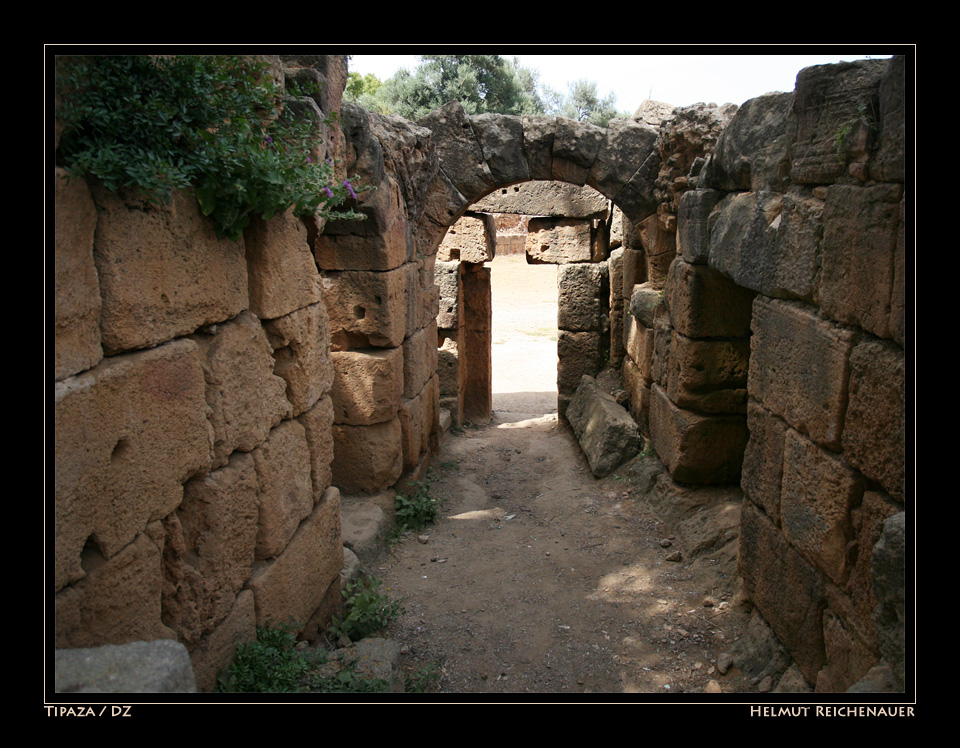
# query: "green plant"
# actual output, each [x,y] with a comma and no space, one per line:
[417,510]
[424,678]
[366,611]
[216,123]
[273,664]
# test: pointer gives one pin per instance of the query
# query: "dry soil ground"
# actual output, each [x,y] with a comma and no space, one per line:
[538,578]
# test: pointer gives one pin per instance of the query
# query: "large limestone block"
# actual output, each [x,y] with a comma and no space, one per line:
[860,236]
[443,205]
[161,666]
[318,424]
[787,590]
[367,459]
[286,490]
[118,600]
[301,350]
[419,359]
[209,547]
[283,274]
[873,431]
[291,586]
[367,309]
[546,199]
[607,434]
[501,140]
[420,423]
[473,238]
[583,290]
[819,492]
[787,337]
[634,271]
[762,475]
[889,564]
[558,241]
[639,391]
[578,353]
[639,342]
[367,385]
[887,163]
[660,249]
[76,286]
[538,136]
[461,157]
[575,148]
[697,448]
[693,224]
[163,271]
[703,303]
[246,398]
[447,281]
[626,144]
[128,434]
[220,647]
[769,242]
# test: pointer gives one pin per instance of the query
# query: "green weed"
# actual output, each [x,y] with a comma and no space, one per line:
[416,511]
[424,679]
[366,611]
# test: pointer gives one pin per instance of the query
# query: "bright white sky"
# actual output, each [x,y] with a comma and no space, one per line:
[677,79]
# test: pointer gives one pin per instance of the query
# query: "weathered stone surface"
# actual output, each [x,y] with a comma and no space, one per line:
[447,280]
[292,586]
[848,658]
[419,422]
[693,224]
[367,459]
[887,163]
[703,303]
[889,574]
[828,101]
[301,350]
[161,666]
[163,272]
[419,359]
[859,244]
[501,140]
[118,600]
[617,306]
[366,309]
[367,386]
[583,290]
[607,434]
[538,136]
[461,157]
[898,319]
[220,647]
[245,397]
[318,424]
[558,241]
[209,548]
[474,345]
[874,429]
[128,434]
[753,152]
[634,270]
[818,495]
[546,199]
[579,353]
[364,527]
[575,148]
[626,144]
[696,448]
[763,460]
[286,491]
[76,287]
[282,272]
[786,589]
[443,205]
[639,390]
[471,239]
[660,249]
[787,336]
[709,376]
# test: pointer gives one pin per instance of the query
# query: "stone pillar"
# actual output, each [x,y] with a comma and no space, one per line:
[476,328]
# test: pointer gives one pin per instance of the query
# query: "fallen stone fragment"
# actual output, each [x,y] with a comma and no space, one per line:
[724,662]
[712,687]
[675,556]
[607,434]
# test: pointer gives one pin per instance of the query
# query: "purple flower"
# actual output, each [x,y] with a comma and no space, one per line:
[329,192]
[309,160]
[269,140]
[350,189]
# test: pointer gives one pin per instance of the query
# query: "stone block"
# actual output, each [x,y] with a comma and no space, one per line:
[787,337]
[693,225]
[291,586]
[638,341]
[578,353]
[220,647]
[76,286]
[367,459]
[582,293]
[705,304]
[161,666]
[447,279]
[419,359]
[448,368]
[545,199]
[873,431]
[366,309]
[245,397]
[696,448]
[607,434]
[626,144]
[127,435]
[118,599]
[283,275]
[575,148]
[639,391]
[660,249]
[501,140]
[818,495]
[420,423]
[209,548]
[888,564]
[634,271]
[787,590]
[558,241]
[860,239]
[538,135]
[367,386]
[472,238]
[286,489]
[474,345]
[301,350]
[459,151]
[763,460]
[318,424]
[163,272]
[848,658]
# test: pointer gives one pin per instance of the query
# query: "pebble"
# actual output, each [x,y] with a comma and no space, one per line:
[423,538]
[709,602]
[675,556]
[665,543]
[724,662]
[712,687]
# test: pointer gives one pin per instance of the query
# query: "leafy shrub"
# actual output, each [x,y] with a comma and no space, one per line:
[366,611]
[156,124]
[416,511]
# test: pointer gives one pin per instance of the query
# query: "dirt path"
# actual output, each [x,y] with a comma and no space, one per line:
[539,578]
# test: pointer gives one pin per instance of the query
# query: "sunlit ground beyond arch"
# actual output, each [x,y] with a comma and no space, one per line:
[524,340]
